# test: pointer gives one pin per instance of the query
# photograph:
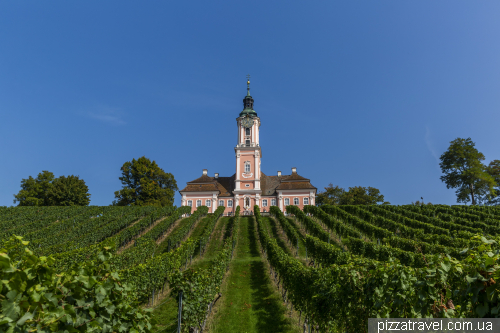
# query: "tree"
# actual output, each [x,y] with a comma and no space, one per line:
[68,191]
[493,169]
[463,170]
[34,190]
[331,195]
[145,184]
[357,195]
[45,190]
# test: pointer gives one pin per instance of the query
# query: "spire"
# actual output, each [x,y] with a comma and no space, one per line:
[248,102]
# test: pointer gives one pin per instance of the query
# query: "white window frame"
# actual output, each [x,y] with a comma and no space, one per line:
[208,203]
[306,201]
[264,202]
[198,203]
[287,201]
[190,203]
[230,203]
[273,202]
[247,167]
[221,202]
[296,201]
[248,132]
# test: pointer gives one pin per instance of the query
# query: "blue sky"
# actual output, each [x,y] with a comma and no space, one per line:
[354,93]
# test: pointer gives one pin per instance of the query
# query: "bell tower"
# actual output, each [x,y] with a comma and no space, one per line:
[248,153]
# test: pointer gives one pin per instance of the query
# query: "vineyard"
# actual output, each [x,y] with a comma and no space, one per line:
[323,269]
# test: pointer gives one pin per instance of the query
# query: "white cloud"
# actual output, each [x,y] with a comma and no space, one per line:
[107,114]
[430,146]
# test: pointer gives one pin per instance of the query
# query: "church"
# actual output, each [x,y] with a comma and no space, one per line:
[249,186]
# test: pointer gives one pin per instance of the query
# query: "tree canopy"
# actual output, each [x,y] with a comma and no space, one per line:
[493,169]
[145,184]
[357,195]
[462,168]
[46,190]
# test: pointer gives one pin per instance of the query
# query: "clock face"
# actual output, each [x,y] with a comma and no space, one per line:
[247,122]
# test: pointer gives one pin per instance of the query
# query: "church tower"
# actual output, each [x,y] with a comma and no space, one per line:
[247,190]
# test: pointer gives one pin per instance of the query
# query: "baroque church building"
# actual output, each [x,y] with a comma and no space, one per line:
[249,186]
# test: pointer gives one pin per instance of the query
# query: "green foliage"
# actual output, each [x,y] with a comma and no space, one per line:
[342,297]
[201,286]
[357,195]
[89,298]
[34,190]
[493,169]
[462,168]
[45,190]
[68,191]
[145,184]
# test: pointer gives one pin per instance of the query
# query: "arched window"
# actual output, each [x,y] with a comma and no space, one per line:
[208,202]
[247,167]
[273,202]
[264,203]
[190,203]
[230,203]
[296,201]
[247,200]
[198,203]
[306,201]
[287,201]
[221,202]
[247,131]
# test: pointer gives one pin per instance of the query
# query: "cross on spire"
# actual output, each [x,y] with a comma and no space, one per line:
[248,84]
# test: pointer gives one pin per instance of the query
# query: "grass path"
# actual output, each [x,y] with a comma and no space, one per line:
[249,302]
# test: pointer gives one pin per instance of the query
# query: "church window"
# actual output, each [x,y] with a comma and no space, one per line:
[207,202]
[287,201]
[247,201]
[296,201]
[273,202]
[247,166]
[306,201]
[230,203]
[198,203]
[264,203]
[221,202]
[247,142]
[247,131]
[190,203]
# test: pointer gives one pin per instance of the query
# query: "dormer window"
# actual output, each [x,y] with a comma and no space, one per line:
[247,131]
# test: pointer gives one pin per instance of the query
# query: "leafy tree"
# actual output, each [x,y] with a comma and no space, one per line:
[87,298]
[68,191]
[34,190]
[331,195]
[493,169]
[45,190]
[463,170]
[363,196]
[357,195]
[145,184]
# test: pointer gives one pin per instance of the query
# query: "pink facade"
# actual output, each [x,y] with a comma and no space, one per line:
[249,186]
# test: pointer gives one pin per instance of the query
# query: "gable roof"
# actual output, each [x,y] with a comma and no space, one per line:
[268,184]
[224,185]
